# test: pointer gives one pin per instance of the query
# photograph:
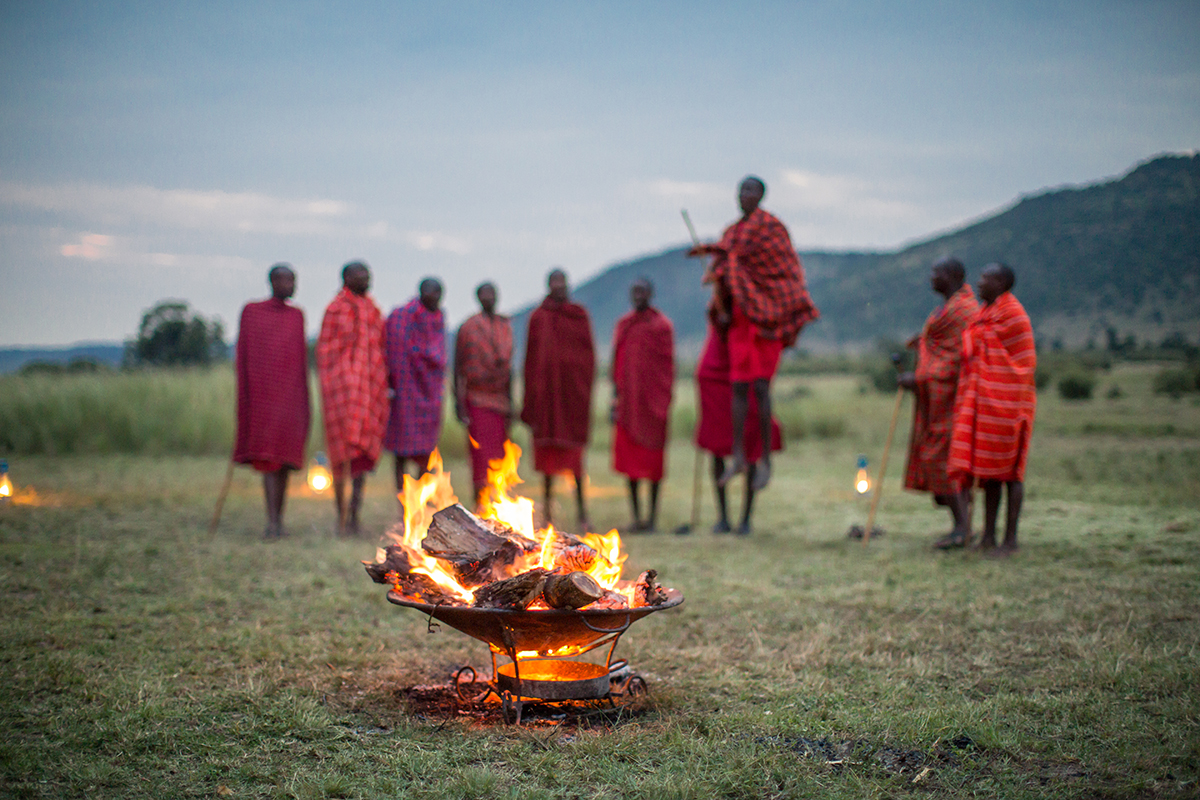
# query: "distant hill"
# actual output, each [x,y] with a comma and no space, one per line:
[110,353]
[1123,253]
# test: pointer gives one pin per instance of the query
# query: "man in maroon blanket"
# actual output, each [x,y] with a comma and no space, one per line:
[560,365]
[272,392]
[353,388]
[415,342]
[643,374]
[761,300]
[714,429]
[483,383]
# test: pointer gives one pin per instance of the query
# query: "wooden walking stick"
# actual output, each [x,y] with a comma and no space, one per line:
[216,518]
[887,448]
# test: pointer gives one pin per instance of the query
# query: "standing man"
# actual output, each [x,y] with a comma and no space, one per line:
[483,383]
[934,383]
[415,342]
[272,392]
[994,410]
[560,366]
[761,300]
[714,429]
[353,388]
[643,374]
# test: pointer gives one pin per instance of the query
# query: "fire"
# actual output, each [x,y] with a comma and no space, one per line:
[422,497]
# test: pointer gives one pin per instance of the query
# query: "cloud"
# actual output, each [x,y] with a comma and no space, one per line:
[436,240]
[216,210]
[812,191]
[92,246]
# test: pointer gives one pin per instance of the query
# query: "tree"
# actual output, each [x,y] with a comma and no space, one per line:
[171,334]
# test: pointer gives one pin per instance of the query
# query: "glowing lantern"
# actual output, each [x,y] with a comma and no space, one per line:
[862,481]
[6,489]
[319,476]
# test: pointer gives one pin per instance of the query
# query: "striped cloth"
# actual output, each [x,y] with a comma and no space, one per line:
[996,401]
[415,344]
[939,358]
[483,360]
[762,272]
[353,381]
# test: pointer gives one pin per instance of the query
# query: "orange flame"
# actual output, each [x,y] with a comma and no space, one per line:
[422,497]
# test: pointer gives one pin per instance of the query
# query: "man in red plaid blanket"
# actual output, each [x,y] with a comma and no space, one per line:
[939,357]
[353,388]
[761,303]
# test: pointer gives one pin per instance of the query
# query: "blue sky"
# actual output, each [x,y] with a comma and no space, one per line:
[152,150]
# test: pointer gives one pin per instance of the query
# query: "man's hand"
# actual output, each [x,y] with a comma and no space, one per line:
[908,380]
[703,250]
[460,411]
[912,343]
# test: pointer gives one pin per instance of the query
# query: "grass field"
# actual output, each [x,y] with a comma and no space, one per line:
[143,659]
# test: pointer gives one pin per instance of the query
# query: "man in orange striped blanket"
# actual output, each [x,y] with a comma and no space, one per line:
[995,405]
[934,385]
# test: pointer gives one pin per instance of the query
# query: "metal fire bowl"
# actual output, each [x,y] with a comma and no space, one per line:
[542,631]
[551,679]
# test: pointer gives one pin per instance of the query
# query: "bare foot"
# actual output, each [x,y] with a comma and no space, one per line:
[722,527]
[762,475]
[737,465]
[743,529]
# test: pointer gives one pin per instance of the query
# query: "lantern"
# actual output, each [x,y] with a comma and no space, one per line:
[862,481]
[319,476]
[6,489]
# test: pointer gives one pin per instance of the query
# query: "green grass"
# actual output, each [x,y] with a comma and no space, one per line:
[143,659]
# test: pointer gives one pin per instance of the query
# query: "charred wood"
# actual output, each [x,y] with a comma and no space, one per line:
[512,593]
[573,590]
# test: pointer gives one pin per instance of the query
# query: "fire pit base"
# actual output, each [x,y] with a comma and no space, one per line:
[550,680]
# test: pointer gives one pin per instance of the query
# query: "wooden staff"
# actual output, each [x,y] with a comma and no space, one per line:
[695,523]
[216,518]
[887,448]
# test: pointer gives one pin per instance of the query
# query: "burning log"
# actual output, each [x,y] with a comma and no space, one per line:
[512,593]
[647,592]
[573,590]
[395,560]
[472,546]
[611,601]
[396,571]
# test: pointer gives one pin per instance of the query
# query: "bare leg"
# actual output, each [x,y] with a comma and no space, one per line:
[762,393]
[633,502]
[339,500]
[748,508]
[652,523]
[722,525]
[960,534]
[1016,497]
[356,496]
[274,487]
[991,508]
[585,525]
[549,497]
[740,407]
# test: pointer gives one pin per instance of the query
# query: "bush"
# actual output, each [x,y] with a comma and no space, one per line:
[1114,392]
[1076,386]
[1175,381]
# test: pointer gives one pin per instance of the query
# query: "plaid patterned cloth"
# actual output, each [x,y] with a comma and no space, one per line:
[560,366]
[483,361]
[415,340]
[939,357]
[996,401]
[763,274]
[353,379]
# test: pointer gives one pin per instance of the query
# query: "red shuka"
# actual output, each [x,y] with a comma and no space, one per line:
[763,274]
[272,386]
[560,365]
[643,373]
[939,358]
[997,399]
[353,381]
[714,429]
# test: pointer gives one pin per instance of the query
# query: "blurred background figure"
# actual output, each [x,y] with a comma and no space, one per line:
[415,343]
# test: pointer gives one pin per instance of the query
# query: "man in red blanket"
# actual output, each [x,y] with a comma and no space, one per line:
[560,365]
[272,392]
[939,357]
[353,388]
[415,343]
[762,300]
[996,402]
[483,383]
[714,429]
[643,374]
